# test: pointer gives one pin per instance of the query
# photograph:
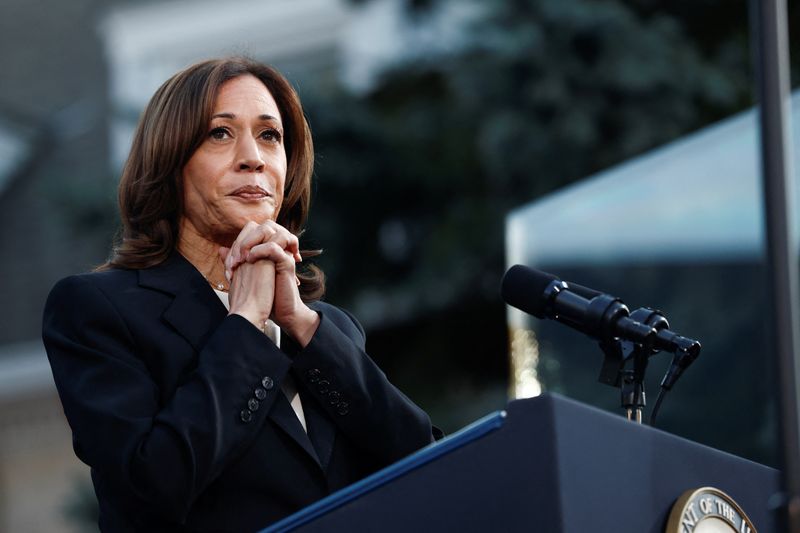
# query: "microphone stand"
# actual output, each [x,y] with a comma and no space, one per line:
[630,381]
[618,353]
[633,397]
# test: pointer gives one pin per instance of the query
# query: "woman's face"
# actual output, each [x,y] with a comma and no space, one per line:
[239,171]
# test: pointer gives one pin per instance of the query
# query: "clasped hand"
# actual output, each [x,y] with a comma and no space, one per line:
[260,267]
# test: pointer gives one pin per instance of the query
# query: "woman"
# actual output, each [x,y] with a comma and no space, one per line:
[199,411]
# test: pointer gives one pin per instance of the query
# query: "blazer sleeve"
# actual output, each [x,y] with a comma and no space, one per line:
[164,453]
[335,370]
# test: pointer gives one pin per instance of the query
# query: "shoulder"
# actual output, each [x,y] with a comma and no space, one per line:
[341,318]
[106,282]
[88,307]
[97,294]
[87,297]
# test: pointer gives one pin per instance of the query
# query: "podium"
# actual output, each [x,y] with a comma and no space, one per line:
[546,464]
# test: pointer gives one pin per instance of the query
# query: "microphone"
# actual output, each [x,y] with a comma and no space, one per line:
[545,296]
[686,350]
[607,319]
[600,316]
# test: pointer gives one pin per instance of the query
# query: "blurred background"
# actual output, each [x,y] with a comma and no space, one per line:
[611,142]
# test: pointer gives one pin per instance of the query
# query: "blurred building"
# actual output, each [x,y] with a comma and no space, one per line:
[77,75]
[679,228]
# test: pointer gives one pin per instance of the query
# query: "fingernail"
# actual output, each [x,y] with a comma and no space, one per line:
[228,275]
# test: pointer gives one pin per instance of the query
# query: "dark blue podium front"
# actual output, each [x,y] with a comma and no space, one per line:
[548,464]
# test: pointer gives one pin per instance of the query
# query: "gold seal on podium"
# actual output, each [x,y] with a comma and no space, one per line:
[707,510]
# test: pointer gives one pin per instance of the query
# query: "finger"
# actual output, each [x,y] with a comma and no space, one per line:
[224,251]
[274,252]
[229,263]
[288,242]
[257,235]
[250,234]
[253,234]
[268,231]
[287,239]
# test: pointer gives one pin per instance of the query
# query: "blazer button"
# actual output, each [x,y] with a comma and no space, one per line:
[260,393]
[252,404]
[246,415]
[322,386]
[267,382]
[314,375]
[343,408]
[334,397]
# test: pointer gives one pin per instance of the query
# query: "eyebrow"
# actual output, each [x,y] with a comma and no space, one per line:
[232,116]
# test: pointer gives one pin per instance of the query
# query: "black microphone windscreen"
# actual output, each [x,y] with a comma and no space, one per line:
[524,288]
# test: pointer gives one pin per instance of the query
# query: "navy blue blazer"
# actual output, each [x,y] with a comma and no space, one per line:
[177,407]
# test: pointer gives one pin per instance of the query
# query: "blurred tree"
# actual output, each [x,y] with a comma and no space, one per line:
[537,94]
[417,173]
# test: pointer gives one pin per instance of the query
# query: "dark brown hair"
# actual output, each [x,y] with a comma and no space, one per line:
[173,125]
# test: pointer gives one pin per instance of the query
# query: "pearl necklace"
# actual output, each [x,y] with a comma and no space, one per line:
[219,286]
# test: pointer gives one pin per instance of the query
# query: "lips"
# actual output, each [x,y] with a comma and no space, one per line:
[251,192]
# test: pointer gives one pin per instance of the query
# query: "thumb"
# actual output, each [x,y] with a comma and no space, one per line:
[223,255]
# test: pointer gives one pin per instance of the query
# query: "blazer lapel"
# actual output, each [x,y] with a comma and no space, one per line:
[320,430]
[285,418]
[196,310]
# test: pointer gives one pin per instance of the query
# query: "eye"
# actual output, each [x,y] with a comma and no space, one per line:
[271,135]
[219,134]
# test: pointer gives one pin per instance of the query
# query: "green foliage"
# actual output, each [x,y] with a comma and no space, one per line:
[417,175]
[534,95]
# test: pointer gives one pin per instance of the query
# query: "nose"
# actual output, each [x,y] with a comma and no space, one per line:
[248,156]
